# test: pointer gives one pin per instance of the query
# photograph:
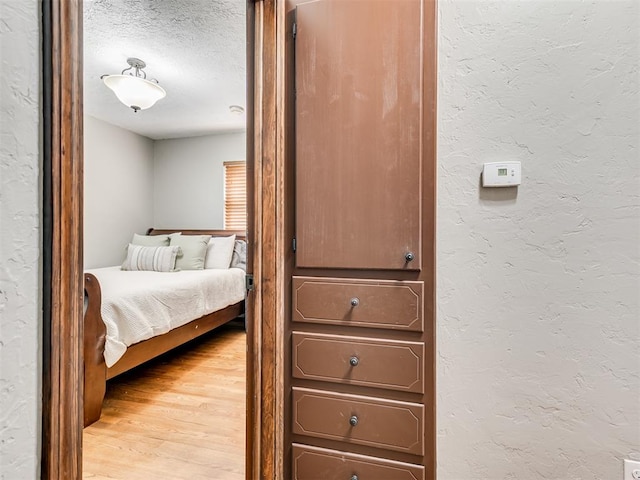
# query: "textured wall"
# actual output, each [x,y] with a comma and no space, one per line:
[118,190]
[538,290]
[189,179]
[20,302]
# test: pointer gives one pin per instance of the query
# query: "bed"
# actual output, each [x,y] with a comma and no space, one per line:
[134,316]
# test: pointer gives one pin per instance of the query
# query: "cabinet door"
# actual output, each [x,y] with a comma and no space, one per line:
[359,134]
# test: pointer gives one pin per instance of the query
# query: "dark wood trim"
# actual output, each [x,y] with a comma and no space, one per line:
[252,311]
[429,205]
[95,368]
[46,462]
[240,235]
[268,271]
[283,245]
[62,241]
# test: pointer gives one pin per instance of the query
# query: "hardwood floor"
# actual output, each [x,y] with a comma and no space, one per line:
[181,416]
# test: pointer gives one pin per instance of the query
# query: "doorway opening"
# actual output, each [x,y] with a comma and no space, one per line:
[63,239]
[162,165]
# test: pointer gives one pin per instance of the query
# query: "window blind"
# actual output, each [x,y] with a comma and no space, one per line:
[235,195]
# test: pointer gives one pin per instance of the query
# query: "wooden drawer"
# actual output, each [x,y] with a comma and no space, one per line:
[375,422]
[385,304]
[390,364]
[313,463]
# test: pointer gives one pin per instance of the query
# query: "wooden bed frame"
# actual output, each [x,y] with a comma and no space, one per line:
[96,372]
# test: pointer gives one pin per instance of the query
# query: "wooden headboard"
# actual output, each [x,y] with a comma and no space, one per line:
[240,235]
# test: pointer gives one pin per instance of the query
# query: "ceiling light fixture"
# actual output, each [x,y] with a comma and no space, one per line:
[133,89]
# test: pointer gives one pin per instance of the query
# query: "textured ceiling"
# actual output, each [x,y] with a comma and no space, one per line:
[194,48]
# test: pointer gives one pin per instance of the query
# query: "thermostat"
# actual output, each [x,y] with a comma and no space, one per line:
[501,174]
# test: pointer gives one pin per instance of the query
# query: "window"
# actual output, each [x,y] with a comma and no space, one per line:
[235,195]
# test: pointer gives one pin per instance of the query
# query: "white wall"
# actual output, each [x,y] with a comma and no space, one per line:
[189,179]
[20,300]
[133,183]
[118,190]
[538,291]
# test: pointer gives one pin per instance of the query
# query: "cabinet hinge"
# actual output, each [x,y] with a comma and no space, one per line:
[294,245]
[248,281]
[295,30]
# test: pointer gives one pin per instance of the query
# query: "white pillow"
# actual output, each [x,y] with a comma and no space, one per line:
[154,259]
[219,252]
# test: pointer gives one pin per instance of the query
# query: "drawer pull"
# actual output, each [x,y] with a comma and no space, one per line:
[354,361]
[353,421]
[354,477]
[355,301]
[409,256]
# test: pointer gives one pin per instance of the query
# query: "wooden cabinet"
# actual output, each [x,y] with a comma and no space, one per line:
[360,321]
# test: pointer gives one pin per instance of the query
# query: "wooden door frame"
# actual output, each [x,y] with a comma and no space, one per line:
[62,288]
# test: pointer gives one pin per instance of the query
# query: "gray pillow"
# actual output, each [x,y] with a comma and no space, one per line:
[239,258]
[150,240]
[194,249]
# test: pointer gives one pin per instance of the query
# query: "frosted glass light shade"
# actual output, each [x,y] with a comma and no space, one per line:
[135,92]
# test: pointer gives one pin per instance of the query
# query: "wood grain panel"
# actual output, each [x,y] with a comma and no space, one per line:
[240,235]
[429,204]
[268,272]
[358,134]
[386,304]
[385,424]
[313,463]
[95,368]
[388,364]
[62,241]
[252,411]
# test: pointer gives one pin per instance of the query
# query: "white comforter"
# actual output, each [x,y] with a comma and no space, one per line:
[140,305]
